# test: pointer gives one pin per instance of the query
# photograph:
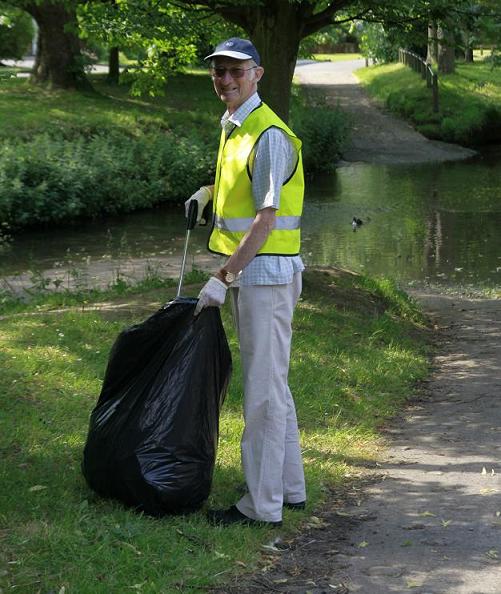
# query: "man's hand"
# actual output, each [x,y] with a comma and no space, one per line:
[213,294]
[202,197]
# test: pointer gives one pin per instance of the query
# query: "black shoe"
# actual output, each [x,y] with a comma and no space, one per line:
[296,506]
[230,516]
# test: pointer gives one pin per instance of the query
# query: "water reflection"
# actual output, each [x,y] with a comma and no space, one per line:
[438,223]
[422,222]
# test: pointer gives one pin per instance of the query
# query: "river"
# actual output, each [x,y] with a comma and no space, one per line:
[422,224]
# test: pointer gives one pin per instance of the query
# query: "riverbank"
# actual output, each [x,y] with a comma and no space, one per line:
[359,348]
[376,136]
[469,101]
[68,156]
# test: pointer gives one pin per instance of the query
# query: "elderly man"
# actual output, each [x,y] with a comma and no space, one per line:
[258,199]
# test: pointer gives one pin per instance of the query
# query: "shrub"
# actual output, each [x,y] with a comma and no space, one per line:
[49,179]
[324,132]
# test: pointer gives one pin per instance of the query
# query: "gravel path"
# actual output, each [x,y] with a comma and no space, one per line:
[377,136]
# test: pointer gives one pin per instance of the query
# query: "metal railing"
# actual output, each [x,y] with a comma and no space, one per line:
[421,67]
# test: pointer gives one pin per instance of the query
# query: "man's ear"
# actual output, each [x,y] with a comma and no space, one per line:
[259,72]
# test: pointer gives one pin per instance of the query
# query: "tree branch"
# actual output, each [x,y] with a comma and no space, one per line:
[316,21]
[311,28]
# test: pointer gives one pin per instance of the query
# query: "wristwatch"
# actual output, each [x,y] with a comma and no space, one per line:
[226,276]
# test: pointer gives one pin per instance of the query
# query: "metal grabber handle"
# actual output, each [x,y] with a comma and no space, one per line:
[191,222]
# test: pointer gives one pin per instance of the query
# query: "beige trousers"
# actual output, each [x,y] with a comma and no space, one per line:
[271,456]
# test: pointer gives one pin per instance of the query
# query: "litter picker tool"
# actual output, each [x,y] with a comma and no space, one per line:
[192,219]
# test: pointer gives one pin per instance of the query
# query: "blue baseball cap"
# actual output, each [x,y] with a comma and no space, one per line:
[240,49]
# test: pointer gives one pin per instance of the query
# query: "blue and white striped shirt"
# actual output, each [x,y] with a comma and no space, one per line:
[274,162]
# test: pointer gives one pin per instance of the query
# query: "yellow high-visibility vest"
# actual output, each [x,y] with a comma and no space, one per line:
[234,209]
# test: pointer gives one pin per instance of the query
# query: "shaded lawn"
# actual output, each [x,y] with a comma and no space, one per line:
[26,110]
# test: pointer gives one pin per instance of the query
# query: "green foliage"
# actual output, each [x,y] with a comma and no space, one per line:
[326,39]
[324,132]
[376,44]
[162,37]
[16,32]
[53,179]
[469,101]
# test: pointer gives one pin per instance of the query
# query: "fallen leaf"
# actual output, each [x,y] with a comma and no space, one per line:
[221,555]
[427,514]
[314,522]
[241,563]
[484,470]
[363,544]
[413,584]
[406,543]
[280,581]
[445,523]
[130,546]
[492,554]
[487,491]
[37,488]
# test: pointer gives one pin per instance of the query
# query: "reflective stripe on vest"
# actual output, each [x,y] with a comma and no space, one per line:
[241,225]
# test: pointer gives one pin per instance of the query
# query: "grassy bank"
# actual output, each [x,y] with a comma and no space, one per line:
[358,350]
[469,100]
[27,110]
[68,155]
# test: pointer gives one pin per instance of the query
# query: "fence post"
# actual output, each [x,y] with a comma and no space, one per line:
[434,90]
[420,66]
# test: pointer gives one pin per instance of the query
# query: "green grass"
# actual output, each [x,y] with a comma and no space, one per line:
[336,57]
[469,100]
[26,110]
[358,350]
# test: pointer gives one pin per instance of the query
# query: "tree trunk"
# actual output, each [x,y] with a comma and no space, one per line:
[446,57]
[468,54]
[278,51]
[432,54]
[113,66]
[58,62]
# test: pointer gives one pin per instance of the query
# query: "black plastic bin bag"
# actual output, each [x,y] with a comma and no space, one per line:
[153,434]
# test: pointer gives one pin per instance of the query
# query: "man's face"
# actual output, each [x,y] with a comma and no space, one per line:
[230,89]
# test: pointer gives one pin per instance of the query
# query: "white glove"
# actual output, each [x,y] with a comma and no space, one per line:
[213,294]
[201,196]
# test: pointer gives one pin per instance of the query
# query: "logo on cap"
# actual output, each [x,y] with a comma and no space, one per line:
[229,43]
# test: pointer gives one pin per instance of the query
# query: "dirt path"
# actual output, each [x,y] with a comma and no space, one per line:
[377,136]
[428,519]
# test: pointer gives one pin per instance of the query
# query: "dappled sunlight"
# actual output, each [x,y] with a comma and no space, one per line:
[58,367]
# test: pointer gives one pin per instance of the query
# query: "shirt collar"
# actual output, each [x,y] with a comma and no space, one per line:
[238,117]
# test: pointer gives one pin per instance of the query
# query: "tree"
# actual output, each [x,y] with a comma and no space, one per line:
[432,46]
[113,77]
[277,26]
[446,48]
[58,62]
[163,37]
[16,33]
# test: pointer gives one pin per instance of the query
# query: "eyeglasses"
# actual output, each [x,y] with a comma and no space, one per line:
[219,72]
